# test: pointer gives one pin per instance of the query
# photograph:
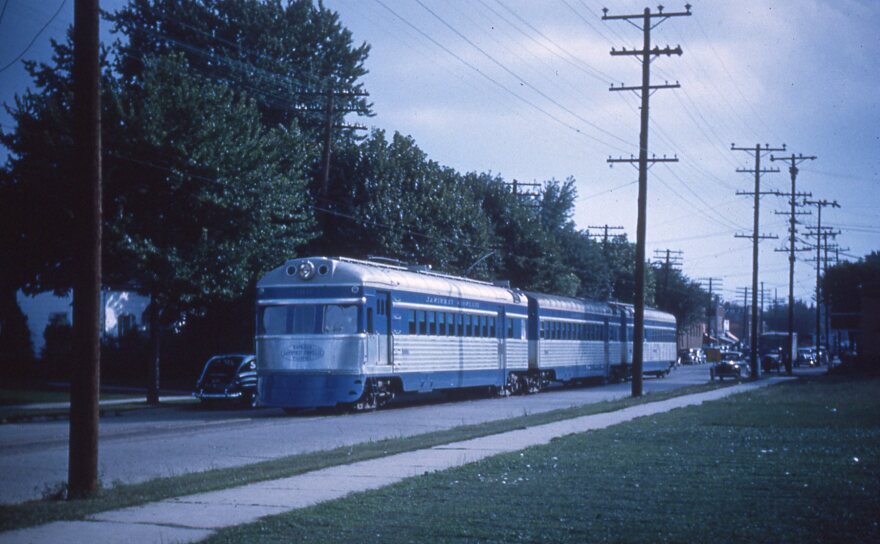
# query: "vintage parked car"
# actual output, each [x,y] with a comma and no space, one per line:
[687,357]
[807,357]
[731,365]
[231,377]
[773,360]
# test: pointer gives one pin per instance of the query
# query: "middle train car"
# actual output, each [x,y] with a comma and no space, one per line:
[337,331]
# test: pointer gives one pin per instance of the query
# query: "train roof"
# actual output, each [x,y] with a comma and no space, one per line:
[335,271]
[557,302]
[650,313]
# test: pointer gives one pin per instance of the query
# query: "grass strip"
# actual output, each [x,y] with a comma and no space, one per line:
[11,397]
[121,496]
[17,415]
[794,463]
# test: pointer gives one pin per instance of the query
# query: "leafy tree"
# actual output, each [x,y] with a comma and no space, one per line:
[199,197]
[844,283]
[287,55]
[679,295]
[388,199]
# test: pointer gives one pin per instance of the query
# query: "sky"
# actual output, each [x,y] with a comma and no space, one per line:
[520,88]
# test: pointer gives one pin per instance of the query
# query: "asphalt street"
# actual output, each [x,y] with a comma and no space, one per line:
[153,443]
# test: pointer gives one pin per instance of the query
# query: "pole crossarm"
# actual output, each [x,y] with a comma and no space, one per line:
[638,88]
[656,52]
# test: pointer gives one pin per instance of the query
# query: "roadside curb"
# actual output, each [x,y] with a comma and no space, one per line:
[194,517]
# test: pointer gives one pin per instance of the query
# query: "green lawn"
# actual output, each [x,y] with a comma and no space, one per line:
[798,462]
[11,397]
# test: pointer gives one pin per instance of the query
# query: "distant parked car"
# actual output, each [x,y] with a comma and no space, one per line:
[731,365]
[687,357]
[773,360]
[231,377]
[806,357]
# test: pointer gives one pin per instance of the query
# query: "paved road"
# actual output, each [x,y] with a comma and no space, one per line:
[148,444]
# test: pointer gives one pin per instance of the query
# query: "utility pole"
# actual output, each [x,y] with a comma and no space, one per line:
[330,110]
[817,232]
[711,313]
[644,91]
[794,161]
[674,258]
[606,227]
[756,236]
[82,475]
[745,319]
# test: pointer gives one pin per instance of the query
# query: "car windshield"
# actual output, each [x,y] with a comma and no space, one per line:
[308,319]
[222,368]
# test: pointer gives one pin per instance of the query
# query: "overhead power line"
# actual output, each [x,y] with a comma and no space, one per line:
[34,39]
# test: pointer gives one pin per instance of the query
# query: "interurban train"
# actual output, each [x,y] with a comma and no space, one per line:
[337,332]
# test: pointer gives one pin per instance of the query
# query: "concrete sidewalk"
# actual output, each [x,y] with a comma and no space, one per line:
[194,517]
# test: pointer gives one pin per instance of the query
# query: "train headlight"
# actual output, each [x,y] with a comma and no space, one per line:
[306,270]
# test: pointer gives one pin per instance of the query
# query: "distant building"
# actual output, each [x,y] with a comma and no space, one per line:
[121,313]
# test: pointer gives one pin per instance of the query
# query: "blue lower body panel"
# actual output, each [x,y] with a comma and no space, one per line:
[430,381]
[569,373]
[309,390]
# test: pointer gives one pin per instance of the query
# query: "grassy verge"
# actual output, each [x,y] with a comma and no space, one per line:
[794,463]
[15,415]
[38,512]
[11,397]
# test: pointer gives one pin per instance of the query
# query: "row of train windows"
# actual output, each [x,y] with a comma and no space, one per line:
[451,324]
[561,330]
[659,335]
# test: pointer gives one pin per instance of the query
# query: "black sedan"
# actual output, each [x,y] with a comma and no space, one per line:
[230,377]
[731,365]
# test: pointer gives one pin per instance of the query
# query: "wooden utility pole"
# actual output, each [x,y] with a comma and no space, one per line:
[646,54]
[794,161]
[330,111]
[817,232]
[745,320]
[711,313]
[756,236]
[605,228]
[82,479]
[674,258]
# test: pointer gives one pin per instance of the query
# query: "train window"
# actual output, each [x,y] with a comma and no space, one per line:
[468,326]
[303,320]
[492,327]
[412,321]
[432,323]
[509,328]
[459,323]
[273,320]
[423,322]
[369,321]
[450,324]
[542,329]
[441,323]
[484,325]
[340,319]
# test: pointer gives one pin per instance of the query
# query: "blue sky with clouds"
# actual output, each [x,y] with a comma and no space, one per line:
[520,88]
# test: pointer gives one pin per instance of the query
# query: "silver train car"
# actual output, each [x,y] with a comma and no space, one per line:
[342,332]
[659,352]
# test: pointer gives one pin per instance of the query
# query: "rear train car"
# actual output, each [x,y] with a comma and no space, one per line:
[659,347]
[337,332]
[568,338]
